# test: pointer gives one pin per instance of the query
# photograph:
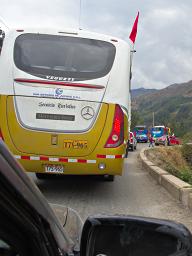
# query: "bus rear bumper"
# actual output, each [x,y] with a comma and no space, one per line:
[103,164]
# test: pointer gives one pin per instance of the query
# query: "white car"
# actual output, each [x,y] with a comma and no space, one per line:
[132,141]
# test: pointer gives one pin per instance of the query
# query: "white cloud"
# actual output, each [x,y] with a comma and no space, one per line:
[141,79]
[37,13]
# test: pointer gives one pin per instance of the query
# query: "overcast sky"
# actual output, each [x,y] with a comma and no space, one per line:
[164,40]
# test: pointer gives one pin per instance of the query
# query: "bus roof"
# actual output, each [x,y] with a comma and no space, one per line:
[140,126]
[159,126]
[63,31]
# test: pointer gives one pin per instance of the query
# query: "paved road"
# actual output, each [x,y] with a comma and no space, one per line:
[135,193]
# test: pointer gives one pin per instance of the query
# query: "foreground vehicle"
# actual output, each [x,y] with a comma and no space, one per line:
[132,141]
[64,100]
[28,225]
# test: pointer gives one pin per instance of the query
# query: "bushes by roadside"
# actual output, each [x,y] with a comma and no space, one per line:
[174,160]
[187,153]
[187,138]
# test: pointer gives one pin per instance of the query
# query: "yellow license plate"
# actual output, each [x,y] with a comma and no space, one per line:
[75,144]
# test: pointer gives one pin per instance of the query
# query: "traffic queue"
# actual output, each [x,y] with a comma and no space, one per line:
[159,135]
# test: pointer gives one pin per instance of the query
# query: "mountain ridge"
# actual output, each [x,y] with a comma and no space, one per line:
[141,91]
[172,106]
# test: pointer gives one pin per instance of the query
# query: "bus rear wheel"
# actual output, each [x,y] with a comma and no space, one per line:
[127,150]
[41,176]
[107,177]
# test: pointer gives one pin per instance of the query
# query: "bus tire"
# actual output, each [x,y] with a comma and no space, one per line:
[40,176]
[127,151]
[107,177]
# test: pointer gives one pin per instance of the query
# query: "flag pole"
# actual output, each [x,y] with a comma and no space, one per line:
[132,37]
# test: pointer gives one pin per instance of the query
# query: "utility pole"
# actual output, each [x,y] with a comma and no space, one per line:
[153,119]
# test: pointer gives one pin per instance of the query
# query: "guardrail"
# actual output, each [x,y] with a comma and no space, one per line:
[179,189]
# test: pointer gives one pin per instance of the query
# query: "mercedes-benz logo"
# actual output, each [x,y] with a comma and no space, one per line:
[87,112]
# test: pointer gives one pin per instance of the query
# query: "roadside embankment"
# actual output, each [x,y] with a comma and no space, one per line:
[163,167]
[175,160]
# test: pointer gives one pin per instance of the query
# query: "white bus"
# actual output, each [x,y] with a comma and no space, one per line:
[64,100]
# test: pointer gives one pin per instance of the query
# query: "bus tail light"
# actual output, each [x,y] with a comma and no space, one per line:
[1,135]
[59,83]
[116,137]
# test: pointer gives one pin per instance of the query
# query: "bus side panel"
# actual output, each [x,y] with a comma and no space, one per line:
[3,122]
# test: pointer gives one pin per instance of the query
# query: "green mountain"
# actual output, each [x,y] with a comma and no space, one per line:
[141,91]
[172,106]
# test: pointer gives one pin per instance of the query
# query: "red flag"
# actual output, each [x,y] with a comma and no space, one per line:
[134,29]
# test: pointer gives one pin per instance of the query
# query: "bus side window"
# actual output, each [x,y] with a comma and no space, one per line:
[2,36]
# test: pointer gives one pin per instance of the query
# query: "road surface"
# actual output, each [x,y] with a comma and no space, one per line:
[135,193]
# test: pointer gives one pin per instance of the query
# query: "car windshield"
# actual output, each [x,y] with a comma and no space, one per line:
[157,129]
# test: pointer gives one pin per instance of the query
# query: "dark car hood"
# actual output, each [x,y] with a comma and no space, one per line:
[26,189]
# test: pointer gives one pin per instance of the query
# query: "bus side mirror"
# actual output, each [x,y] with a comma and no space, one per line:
[134,236]
[2,36]
[130,75]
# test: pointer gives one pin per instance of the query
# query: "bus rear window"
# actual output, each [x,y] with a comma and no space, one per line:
[63,56]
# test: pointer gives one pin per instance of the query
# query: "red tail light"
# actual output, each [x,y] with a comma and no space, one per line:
[1,135]
[116,137]
[48,82]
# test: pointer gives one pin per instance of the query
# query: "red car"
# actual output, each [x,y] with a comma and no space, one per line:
[174,141]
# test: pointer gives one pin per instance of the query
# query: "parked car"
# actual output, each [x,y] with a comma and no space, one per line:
[167,140]
[142,138]
[29,226]
[132,141]
[173,140]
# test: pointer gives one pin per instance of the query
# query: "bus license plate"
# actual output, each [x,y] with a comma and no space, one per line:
[75,144]
[54,168]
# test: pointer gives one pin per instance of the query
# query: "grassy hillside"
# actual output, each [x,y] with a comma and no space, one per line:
[172,160]
[172,106]
[141,91]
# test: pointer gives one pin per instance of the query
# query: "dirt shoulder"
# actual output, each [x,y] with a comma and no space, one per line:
[171,159]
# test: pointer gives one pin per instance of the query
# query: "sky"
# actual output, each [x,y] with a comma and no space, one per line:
[163,45]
